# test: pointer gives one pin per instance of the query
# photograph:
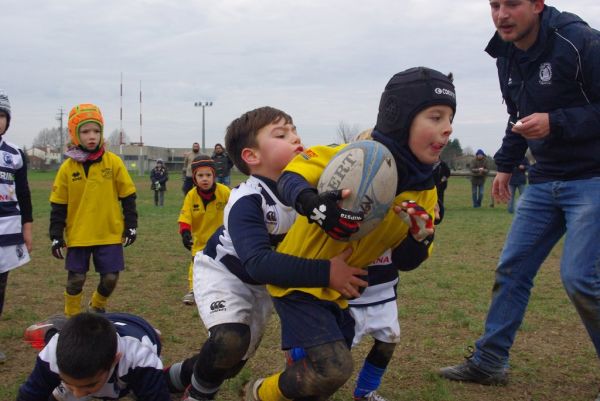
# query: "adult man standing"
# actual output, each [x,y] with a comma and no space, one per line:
[223,165]
[549,70]
[188,182]
[479,171]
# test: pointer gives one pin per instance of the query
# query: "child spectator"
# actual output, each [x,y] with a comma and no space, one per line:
[201,213]
[89,190]
[159,177]
[415,122]
[239,258]
[96,356]
[15,206]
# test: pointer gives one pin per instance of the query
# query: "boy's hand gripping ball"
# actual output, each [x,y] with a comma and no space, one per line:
[418,220]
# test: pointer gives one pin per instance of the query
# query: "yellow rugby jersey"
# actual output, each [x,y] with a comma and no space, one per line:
[204,222]
[94,215]
[310,241]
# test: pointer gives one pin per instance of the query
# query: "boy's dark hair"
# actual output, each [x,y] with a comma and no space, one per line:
[87,345]
[242,132]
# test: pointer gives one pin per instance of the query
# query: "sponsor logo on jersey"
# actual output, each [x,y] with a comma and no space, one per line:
[76,176]
[307,154]
[8,159]
[107,173]
[5,175]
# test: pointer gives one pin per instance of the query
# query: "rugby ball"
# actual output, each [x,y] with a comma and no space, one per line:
[368,169]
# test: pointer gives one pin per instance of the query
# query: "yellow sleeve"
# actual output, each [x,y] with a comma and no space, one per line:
[185,214]
[125,185]
[60,189]
[311,163]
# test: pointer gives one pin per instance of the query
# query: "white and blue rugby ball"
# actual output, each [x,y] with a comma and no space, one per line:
[368,169]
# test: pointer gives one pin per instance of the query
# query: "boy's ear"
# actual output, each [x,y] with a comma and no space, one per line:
[251,156]
[118,357]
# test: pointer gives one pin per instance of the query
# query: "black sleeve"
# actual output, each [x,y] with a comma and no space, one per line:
[251,241]
[290,186]
[129,211]
[58,219]
[23,192]
[411,253]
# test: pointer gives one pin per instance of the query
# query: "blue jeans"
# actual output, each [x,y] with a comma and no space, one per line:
[546,212]
[477,193]
[225,180]
[513,195]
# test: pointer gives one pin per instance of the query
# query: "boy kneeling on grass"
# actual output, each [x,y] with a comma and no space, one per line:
[93,356]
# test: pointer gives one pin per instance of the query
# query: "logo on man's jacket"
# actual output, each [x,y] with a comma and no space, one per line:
[545,74]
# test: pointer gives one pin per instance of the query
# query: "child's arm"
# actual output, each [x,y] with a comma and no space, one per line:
[322,209]
[40,383]
[250,239]
[24,200]
[130,219]
[58,218]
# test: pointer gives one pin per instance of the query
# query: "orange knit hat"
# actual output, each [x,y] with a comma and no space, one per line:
[81,114]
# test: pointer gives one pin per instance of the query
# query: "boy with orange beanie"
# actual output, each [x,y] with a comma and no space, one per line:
[93,210]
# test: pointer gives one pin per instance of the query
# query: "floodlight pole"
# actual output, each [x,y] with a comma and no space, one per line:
[203,105]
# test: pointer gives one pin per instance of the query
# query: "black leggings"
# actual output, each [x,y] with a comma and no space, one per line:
[3,281]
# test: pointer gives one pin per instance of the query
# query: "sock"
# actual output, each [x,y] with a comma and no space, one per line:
[191,276]
[99,301]
[269,389]
[173,377]
[197,390]
[368,380]
[72,304]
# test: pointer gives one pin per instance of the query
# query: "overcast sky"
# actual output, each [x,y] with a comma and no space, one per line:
[321,61]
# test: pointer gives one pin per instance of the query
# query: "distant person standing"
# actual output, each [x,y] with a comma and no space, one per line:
[159,177]
[188,181]
[223,165]
[479,171]
[518,181]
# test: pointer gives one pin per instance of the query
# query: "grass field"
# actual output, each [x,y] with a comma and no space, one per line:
[442,307]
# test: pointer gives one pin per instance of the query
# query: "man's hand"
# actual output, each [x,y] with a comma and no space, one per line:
[418,220]
[343,277]
[129,236]
[186,238]
[58,248]
[337,222]
[500,188]
[534,126]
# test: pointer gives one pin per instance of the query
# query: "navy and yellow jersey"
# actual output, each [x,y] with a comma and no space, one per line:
[204,220]
[139,370]
[254,222]
[94,215]
[310,241]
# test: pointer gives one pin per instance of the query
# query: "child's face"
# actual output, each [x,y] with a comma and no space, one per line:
[90,135]
[429,133]
[3,122]
[278,143]
[204,178]
[82,387]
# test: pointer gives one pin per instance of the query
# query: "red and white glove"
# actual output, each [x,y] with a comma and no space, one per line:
[418,220]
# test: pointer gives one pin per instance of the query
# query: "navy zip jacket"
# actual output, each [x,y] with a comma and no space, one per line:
[558,75]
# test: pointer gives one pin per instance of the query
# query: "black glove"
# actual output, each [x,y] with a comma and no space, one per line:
[186,237]
[323,209]
[58,245]
[129,236]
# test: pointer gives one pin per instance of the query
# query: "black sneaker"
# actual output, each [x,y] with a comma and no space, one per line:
[468,372]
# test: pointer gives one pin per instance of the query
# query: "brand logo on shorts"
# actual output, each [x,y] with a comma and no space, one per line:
[20,252]
[217,306]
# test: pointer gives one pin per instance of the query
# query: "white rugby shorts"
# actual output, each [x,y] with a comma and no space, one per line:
[221,297]
[379,321]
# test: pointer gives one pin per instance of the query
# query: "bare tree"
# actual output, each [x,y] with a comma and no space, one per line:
[114,139]
[48,137]
[346,133]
